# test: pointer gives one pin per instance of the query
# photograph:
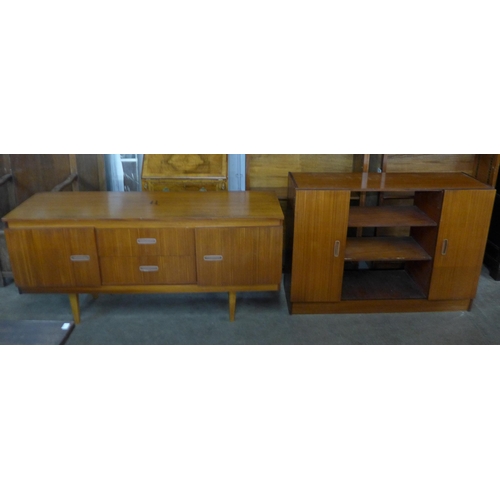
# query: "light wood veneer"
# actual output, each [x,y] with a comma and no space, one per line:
[435,266]
[103,242]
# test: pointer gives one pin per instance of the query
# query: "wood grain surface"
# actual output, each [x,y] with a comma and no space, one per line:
[461,243]
[85,207]
[387,182]
[320,222]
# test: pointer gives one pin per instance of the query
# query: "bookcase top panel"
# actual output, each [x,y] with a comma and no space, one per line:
[385,182]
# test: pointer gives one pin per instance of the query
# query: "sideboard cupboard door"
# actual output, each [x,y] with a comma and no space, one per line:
[240,256]
[320,235]
[461,244]
[54,257]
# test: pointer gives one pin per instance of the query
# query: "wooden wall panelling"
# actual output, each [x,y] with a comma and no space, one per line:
[91,172]
[487,167]
[431,163]
[73,171]
[483,167]
[35,173]
[270,172]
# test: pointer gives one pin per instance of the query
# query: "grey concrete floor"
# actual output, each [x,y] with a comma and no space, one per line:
[261,318]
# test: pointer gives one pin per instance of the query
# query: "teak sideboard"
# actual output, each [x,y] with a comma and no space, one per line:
[144,242]
[433,264]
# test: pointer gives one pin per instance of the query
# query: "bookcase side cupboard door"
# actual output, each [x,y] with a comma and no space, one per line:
[320,235]
[461,243]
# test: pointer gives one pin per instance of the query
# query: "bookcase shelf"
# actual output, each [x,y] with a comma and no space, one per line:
[384,249]
[389,216]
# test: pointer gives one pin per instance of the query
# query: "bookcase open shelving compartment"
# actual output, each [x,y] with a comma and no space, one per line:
[424,255]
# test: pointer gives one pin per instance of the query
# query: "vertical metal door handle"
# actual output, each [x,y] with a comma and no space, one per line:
[445,247]
[336,250]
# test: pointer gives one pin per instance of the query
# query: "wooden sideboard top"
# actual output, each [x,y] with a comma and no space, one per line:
[385,182]
[95,207]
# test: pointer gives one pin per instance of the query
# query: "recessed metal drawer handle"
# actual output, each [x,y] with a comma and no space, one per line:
[336,250]
[212,258]
[146,241]
[80,258]
[149,269]
[445,247]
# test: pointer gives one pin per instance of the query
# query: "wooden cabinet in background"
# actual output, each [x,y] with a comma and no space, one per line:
[146,243]
[432,265]
[492,256]
[184,173]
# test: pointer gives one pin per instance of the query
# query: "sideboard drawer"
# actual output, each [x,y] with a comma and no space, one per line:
[135,242]
[148,270]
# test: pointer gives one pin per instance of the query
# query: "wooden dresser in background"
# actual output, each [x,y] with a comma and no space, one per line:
[184,173]
[144,242]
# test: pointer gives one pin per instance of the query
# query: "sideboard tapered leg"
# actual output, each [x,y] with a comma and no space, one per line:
[232,305]
[75,306]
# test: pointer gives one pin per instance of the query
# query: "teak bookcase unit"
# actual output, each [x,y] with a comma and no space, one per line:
[437,261]
[144,242]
